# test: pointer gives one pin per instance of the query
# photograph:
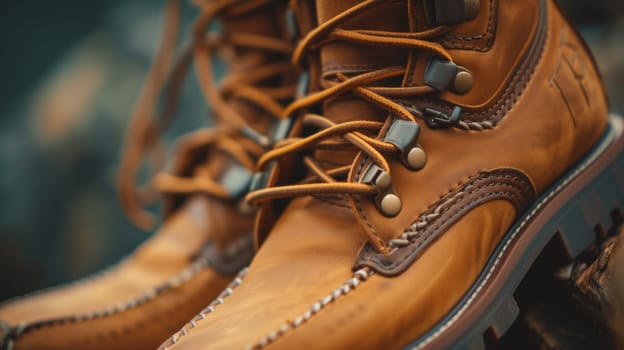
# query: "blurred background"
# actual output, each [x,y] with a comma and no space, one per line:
[70,72]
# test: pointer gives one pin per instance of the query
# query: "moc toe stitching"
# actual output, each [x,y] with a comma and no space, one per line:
[360,276]
[228,291]
[503,251]
[12,333]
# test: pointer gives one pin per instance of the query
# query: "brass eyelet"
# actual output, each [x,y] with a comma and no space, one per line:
[390,204]
[463,82]
[416,158]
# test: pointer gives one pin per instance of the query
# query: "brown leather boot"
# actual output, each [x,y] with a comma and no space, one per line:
[206,237]
[455,139]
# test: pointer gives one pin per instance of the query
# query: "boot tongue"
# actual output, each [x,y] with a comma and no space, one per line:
[351,58]
[266,21]
[340,56]
[262,22]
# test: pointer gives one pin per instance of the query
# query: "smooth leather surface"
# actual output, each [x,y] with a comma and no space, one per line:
[538,136]
[162,256]
[380,313]
[545,126]
[63,318]
[165,255]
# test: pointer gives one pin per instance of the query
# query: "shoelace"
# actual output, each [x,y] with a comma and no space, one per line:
[233,136]
[353,134]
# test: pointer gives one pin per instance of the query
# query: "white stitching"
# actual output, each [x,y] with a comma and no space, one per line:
[229,290]
[173,282]
[185,275]
[425,220]
[499,257]
[359,277]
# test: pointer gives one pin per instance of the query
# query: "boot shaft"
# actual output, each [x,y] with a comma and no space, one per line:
[487,39]
[433,158]
[508,85]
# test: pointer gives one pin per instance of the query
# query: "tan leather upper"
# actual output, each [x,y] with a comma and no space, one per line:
[203,241]
[153,265]
[536,107]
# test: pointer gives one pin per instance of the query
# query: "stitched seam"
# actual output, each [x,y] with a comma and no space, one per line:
[508,101]
[496,113]
[471,182]
[461,194]
[100,274]
[488,30]
[357,278]
[372,228]
[436,207]
[229,290]
[458,213]
[524,77]
[447,205]
[358,206]
[512,95]
[172,283]
[503,250]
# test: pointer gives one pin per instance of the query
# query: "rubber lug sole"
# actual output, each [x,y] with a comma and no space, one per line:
[577,211]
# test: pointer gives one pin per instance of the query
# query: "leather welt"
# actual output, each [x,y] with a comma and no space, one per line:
[501,184]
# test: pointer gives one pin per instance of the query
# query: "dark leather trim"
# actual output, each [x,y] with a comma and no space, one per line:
[481,42]
[506,184]
[236,256]
[496,111]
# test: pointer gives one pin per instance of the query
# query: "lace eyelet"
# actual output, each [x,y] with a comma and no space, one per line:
[404,136]
[416,158]
[390,204]
[383,181]
[436,119]
[463,82]
[387,201]
[444,75]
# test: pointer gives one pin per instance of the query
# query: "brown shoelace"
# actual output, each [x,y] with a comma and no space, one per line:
[233,135]
[353,134]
